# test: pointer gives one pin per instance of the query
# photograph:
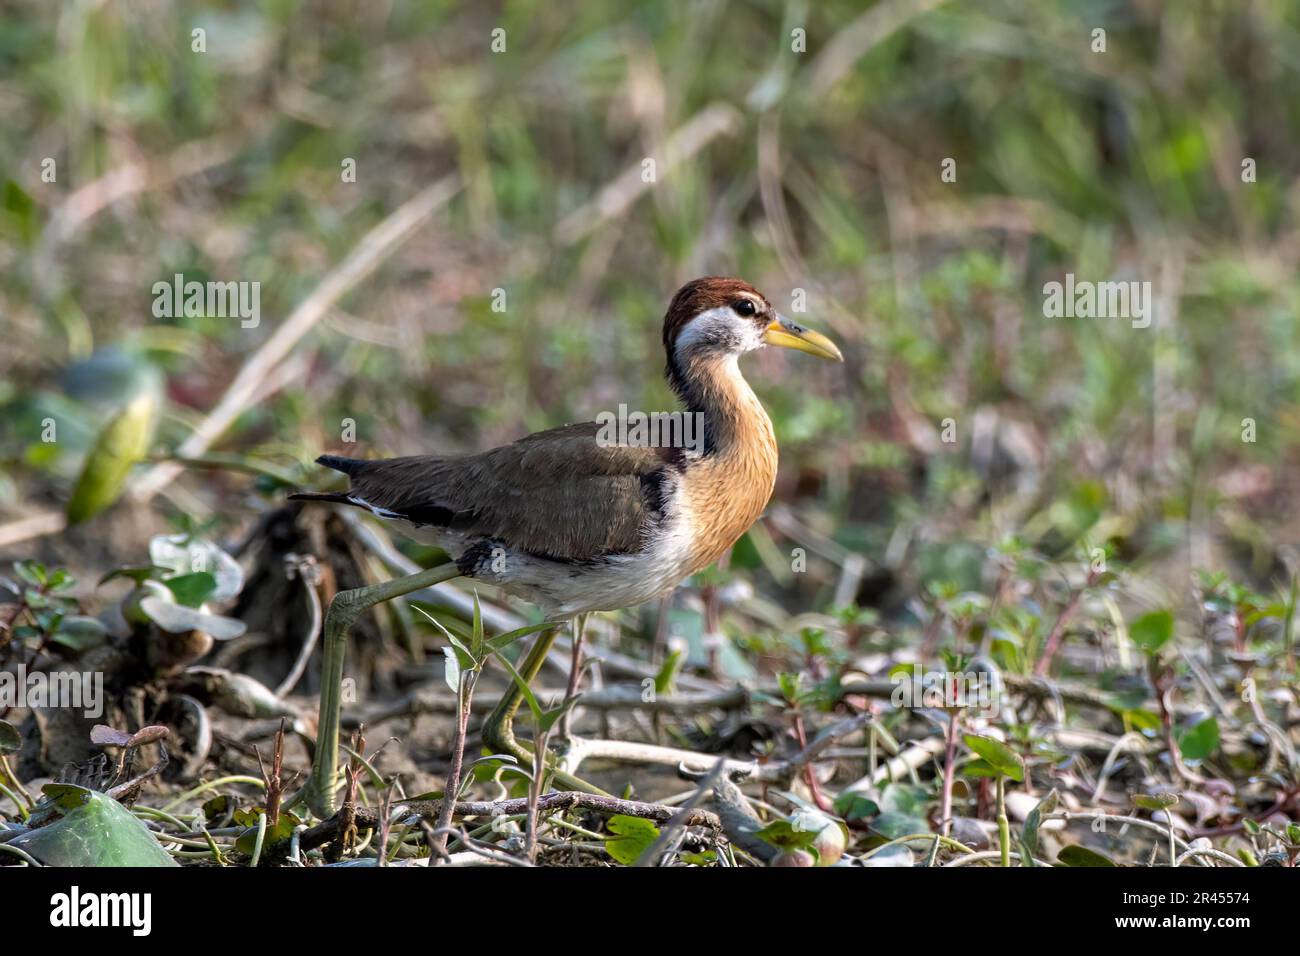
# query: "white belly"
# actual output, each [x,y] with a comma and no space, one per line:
[562,589]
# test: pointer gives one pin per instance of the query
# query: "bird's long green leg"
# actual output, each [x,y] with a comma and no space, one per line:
[498,730]
[343,612]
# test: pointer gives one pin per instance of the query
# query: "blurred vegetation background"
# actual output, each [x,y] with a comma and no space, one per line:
[817,171]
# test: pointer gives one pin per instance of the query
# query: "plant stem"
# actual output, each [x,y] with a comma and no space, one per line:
[498,730]
[452,788]
[949,771]
[1004,828]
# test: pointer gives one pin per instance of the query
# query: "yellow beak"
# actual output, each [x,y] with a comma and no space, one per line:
[786,334]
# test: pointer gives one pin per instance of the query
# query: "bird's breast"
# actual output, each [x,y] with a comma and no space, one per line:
[724,494]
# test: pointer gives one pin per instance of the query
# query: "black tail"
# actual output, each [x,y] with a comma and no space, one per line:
[335,496]
[349,466]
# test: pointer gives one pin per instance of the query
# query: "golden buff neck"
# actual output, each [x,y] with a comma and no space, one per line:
[728,487]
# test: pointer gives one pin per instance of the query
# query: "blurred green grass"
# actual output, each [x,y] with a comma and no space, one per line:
[1116,165]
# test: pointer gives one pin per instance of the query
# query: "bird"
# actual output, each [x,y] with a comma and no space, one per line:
[584,517]
[574,522]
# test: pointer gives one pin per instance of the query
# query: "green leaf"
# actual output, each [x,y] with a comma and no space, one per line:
[667,674]
[67,796]
[80,633]
[186,554]
[10,739]
[1201,740]
[698,859]
[1076,855]
[1142,720]
[60,580]
[95,830]
[20,213]
[524,689]
[1152,631]
[997,755]
[1034,819]
[246,842]
[548,718]
[784,835]
[632,837]
[907,798]
[852,805]
[192,590]
[980,769]
[31,572]
[455,641]
[1155,801]
[892,825]
[124,441]
[789,684]
[502,641]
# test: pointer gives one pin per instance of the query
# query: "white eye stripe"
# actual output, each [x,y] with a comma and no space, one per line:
[708,325]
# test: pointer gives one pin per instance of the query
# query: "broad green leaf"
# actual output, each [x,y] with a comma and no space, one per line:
[80,633]
[1199,741]
[904,798]
[997,755]
[785,835]
[67,796]
[95,830]
[979,767]
[192,590]
[852,805]
[185,554]
[893,825]
[124,441]
[31,572]
[1076,855]
[246,842]
[1152,631]
[632,837]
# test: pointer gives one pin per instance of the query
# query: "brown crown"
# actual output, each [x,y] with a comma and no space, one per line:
[700,295]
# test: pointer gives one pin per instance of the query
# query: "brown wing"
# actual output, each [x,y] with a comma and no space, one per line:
[557,493]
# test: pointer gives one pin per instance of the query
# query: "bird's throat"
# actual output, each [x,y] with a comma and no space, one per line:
[728,486]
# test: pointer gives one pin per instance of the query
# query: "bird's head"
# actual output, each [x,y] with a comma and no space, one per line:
[715,317]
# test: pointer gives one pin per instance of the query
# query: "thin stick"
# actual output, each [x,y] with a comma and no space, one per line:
[619,194]
[374,247]
[368,817]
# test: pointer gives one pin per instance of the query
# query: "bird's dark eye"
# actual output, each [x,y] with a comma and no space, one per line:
[745,307]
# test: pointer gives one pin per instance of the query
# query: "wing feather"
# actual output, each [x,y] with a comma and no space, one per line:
[558,493]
